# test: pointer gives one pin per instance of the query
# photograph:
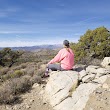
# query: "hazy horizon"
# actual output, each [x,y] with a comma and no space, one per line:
[33,45]
[38,22]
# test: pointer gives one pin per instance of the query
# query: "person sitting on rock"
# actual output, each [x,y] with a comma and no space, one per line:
[66,58]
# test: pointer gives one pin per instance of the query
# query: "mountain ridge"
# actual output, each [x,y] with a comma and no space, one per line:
[35,48]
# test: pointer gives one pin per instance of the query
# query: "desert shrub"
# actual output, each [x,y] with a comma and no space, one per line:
[30,71]
[24,65]
[17,67]
[9,57]
[28,57]
[12,74]
[4,71]
[36,79]
[6,93]
[18,73]
[90,61]
[40,72]
[10,71]
[94,44]
[5,77]
[21,84]
[11,88]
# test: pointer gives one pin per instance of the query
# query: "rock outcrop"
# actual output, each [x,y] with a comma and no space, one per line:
[60,86]
[70,90]
[106,62]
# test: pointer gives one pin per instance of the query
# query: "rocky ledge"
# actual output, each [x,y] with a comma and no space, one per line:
[70,90]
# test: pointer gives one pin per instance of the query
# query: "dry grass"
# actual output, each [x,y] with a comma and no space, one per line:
[20,78]
[3,71]
[15,82]
[73,88]
[12,74]
[30,71]
[36,79]
[11,88]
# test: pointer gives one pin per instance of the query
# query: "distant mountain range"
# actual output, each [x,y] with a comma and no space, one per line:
[35,48]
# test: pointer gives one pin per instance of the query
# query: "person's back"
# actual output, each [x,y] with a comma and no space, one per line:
[68,58]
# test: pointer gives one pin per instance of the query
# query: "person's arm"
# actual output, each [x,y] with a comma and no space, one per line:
[57,58]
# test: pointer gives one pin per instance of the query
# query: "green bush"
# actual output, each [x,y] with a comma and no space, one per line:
[18,73]
[9,57]
[93,44]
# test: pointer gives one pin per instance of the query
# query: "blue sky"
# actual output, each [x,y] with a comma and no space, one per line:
[36,22]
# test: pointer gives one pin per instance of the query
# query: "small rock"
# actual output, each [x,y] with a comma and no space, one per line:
[8,108]
[105,86]
[35,85]
[27,107]
[41,93]
[101,72]
[92,69]
[101,79]
[32,100]
[106,62]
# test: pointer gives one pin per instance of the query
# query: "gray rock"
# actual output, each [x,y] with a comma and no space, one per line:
[82,74]
[106,62]
[102,79]
[88,78]
[35,85]
[92,69]
[79,98]
[63,91]
[59,85]
[102,71]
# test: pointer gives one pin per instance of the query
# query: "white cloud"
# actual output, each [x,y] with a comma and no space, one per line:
[16,32]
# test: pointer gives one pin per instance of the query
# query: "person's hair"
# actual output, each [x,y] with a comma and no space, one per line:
[66,43]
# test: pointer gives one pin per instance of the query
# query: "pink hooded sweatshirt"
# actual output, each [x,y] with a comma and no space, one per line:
[66,58]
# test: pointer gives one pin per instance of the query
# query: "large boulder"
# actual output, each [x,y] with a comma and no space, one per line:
[102,71]
[70,90]
[60,86]
[101,79]
[106,62]
[92,69]
[97,70]
[79,98]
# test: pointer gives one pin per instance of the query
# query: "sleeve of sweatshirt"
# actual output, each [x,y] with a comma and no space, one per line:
[57,58]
